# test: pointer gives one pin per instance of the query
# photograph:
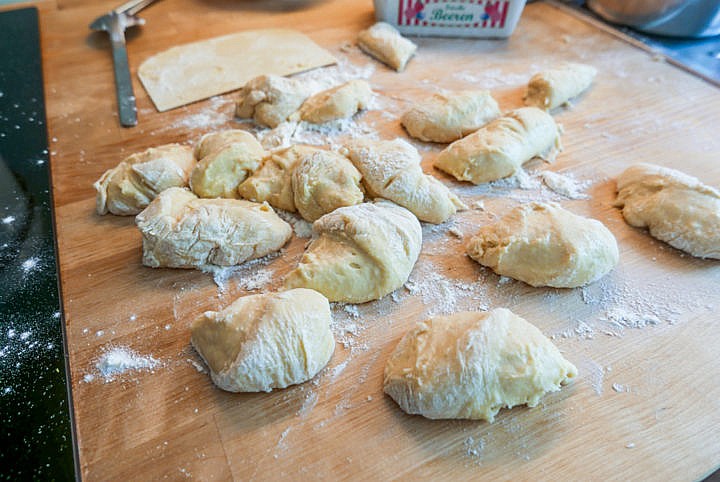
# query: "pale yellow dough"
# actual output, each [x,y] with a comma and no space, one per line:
[675,207]
[555,87]
[546,245]
[266,341]
[130,186]
[180,230]
[270,99]
[500,148]
[340,102]
[448,117]
[470,365]
[226,159]
[391,170]
[383,42]
[360,253]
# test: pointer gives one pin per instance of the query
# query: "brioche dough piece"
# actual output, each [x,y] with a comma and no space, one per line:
[226,159]
[545,245]
[448,117]
[470,365]
[360,253]
[180,230]
[340,102]
[323,182]
[675,207]
[556,87]
[383,42]
[130,186]
[270,99]
[391,170]
[501,147]
[266,341]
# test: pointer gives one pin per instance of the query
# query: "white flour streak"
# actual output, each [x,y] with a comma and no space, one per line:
[119,360]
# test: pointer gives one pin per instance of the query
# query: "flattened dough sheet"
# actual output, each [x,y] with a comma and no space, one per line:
[198,70]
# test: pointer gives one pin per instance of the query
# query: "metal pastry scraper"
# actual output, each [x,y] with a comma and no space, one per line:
[114,23]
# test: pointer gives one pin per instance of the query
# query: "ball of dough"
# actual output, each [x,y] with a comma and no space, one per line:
[360,253]
[226,159]
[270,99]
[383,42]
[340,102]
[130,186]
[501,147]
[472,364]
[323,182]
[556,87]
[448,117]
[545,245]
[180,230]
[266,341]
[391,170]
[675,207]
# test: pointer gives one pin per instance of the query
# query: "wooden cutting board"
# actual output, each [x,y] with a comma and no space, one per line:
[645,405]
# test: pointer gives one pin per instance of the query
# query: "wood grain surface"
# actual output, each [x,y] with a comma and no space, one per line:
[645,405]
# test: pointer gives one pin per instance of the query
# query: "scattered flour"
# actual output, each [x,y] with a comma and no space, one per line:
[565,185]
[302,228]
[248,276]
[119,360]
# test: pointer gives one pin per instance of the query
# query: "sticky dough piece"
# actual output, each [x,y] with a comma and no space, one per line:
[226,159]
[270,99]
[470,365]
[266,341]
[383,42]
[500,148]
[675,207]
[449,117]
[553,88]
[340,102]
[129,187]
[391,170]
[180,230]
[546,245]
[360,253]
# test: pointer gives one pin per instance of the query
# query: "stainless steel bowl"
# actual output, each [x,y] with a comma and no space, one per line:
[678,18]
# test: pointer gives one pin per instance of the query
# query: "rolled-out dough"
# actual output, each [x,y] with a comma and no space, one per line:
[198,70]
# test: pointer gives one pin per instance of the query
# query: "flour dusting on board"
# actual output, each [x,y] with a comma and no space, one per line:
[119,360]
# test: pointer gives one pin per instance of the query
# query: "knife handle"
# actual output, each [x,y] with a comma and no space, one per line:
[123,82]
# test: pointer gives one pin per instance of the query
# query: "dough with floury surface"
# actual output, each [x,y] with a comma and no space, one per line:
[391,170]
[360,253]
[555,87]
[546,245]
[675,207]
[270,99]
[180,230]
[500,148]
[128,188]
[470,365]
[383,42]
[226,159]
[340,102]
[266,341]
[449,117]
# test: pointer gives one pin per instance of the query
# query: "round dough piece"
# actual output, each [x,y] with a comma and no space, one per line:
[553,88]
[128,188]
[675,207]
[270,99]
[545,245]
[383,42]
[180,230]
[340,102]
[472,364]
[448,117]
[391,170]
[266,341]
[360,253]
[501,147]
[323,182]
[226,158]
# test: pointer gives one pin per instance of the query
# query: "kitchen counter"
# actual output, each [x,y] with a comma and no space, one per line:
[645,340]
